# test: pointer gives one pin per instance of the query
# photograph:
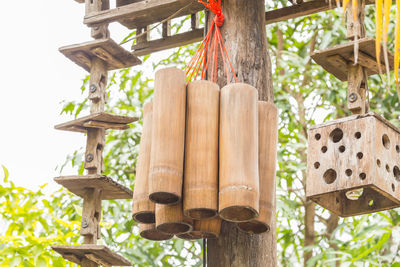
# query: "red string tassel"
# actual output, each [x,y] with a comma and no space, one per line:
[210,48]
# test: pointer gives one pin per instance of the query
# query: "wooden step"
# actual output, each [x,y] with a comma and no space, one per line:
[95,253]
[335,60]
[110,188]
[100,120]
[115,56]
[143,13]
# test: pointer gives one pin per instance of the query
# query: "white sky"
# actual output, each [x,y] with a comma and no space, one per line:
[35,78]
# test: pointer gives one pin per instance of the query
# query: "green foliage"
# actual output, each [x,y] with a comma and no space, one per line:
[30,222]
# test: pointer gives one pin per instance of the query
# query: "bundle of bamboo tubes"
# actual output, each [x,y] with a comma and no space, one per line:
[206,155]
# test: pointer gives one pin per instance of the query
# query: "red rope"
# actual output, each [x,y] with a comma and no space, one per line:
[210,48]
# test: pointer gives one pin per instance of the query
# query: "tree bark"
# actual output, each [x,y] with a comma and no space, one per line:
[245,38]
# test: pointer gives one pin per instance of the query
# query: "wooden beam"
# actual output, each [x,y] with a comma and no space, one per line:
[180,39]
[143,13]
[295,11]
[300,10]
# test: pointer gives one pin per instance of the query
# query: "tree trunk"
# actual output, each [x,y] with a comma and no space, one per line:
[246,42]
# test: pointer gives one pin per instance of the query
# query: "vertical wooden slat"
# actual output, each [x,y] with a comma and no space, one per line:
[166,29]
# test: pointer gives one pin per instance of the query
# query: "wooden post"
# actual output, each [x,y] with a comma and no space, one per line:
[245,38]
[357,77]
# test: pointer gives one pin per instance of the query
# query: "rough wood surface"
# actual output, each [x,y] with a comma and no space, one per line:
[91,215]
[201,150]
[268,142]
[168,138]
[100,252]
[95,142]
[245,20]
[143,210]
[350,154]
[99,120]
[149,232]
[168,42]
[110,188]
[107,50]
[328,58]
[143,13]
[170,219]
[238,153]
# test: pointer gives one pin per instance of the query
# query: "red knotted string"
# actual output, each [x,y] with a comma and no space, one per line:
[210,48]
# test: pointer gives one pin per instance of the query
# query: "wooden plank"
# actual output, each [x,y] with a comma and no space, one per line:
[144,13]
[326,58]
[100,252]
[295,11]
[99,120]
[300,10]
[177,40]
[115,56]
[110,189]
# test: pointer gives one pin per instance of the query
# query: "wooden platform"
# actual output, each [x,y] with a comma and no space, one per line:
[99,120]
[97,254]
[143,13]
[110,188]
[109,51]
[335,59]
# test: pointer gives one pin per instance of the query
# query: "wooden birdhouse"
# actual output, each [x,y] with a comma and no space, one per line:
[353,165]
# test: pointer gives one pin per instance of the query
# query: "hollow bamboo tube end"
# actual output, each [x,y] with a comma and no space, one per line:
[209,229]
[188,236]
[144,217]
[170,219]
[149,231]
[253,227]
[201,214]
[238,213]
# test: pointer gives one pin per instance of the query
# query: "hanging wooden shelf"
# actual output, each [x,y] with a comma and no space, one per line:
[100,120]
[143,13]
[95,253]
[335,60]
[353,165]
[110,188]
[114,55]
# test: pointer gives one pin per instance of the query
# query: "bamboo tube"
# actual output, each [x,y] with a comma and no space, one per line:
[209,229]
[200,197]
[142,208]
[188,236]
[149,231]
[268,140]
[168,138]
[238,151]
[170,219]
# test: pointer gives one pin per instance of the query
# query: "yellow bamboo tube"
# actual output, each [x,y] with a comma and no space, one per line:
[268,142]
[149,231]
[200,196]
[168,138]
[238,153]
[209,229]
[170,219]
[142,208]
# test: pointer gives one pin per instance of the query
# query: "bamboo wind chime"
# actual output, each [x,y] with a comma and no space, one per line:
[207,154]
[352,162]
